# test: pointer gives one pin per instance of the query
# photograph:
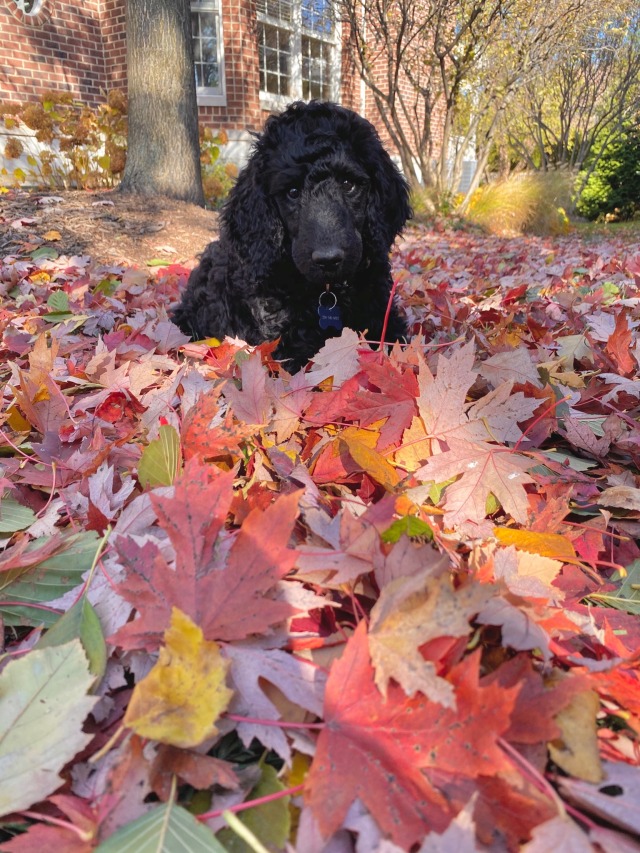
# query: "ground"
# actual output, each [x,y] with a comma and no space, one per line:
[431,553]
[109,226]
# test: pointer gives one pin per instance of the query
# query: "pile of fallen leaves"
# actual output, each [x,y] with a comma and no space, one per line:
[387,604]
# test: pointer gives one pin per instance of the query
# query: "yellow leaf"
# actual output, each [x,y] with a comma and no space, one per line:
[546,544]
[415,448]
[576,751]
[52,235]
[297,773]
[371,462]
[184,694]
[554,371]
[41,394]
[16,421]
[368,437]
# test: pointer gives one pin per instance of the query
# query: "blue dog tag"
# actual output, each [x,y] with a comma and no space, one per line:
[329,314]
[330,317]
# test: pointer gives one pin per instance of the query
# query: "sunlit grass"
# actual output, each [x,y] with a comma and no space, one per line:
[527,203]
[597,230]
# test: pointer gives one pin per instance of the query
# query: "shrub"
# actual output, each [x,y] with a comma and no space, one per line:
[613,189]
[13,148]
[217,178]
[87,148]
[423,204]
[530,202]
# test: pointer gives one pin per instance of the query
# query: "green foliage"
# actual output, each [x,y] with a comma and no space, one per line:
[423,204]
[530,202]
[612,191]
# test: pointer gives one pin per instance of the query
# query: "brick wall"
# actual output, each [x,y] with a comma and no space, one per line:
[61,49]
[114,39]
[79,46]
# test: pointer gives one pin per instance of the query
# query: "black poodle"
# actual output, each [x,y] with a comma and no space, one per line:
[304,240]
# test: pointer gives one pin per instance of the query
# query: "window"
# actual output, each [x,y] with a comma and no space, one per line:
[206,32]
[29,7]
[298,51]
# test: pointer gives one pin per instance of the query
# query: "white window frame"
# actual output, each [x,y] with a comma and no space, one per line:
[35,9]
[207,95]
[273,102]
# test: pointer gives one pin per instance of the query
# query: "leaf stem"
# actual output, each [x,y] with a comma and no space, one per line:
[546,411]
[387,314]
[279,723]
[55,821]
[249,804]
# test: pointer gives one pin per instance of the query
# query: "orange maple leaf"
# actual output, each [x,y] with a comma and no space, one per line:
[399,741]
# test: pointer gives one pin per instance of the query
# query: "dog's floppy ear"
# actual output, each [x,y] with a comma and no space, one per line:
[251,221]
[388,205]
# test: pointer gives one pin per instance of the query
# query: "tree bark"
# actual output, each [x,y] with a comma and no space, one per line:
[163,150]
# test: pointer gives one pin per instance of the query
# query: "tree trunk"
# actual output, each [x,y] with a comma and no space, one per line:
[163,150]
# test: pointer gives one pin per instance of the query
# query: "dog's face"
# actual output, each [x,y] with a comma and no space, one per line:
[321,198]
[319,191]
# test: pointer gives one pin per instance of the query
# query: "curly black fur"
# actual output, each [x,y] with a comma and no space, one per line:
[318,204]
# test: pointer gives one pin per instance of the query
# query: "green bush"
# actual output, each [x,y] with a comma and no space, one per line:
[613,189]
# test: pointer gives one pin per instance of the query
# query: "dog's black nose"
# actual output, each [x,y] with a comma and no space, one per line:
[328,259]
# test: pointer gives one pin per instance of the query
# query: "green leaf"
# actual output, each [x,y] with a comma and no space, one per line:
[59,317]
[269,822]
[627,596]
[158,262]
[47,252]
[80,622]
[14,516]
[164,829]
[43,704]
[408,525]
[108,286]
[492,504]
[46,581]
[58,301]
[160,460]
[562,458]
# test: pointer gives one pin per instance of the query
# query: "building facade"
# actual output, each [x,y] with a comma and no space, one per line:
[252,57]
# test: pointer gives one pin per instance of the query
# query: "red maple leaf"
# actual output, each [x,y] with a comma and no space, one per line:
[619,344]
[395,401]
[225,590]
[398,741]
[537,703]
[197,437]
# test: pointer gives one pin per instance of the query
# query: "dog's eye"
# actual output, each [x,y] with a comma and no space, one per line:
[348,186]
[293,192]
